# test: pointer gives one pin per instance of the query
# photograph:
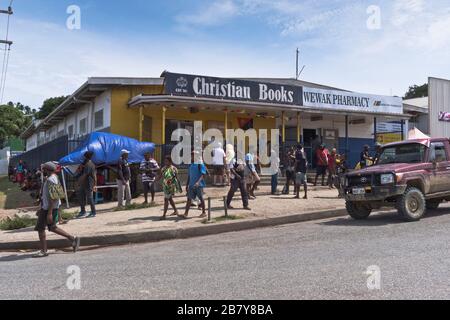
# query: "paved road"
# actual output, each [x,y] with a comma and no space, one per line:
[317,260]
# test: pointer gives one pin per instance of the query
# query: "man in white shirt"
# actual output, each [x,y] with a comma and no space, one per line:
[219,160]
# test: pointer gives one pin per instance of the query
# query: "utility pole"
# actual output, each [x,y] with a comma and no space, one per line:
[7,50]
[297,72]
[9,12]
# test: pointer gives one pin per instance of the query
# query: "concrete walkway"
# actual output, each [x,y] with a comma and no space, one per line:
[118,227]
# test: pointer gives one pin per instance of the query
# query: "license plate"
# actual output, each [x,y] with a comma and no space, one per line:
[358,191]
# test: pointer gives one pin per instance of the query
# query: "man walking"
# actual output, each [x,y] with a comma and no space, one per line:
[195,184]
[301,167]
[123,179]
[87,183]
[149,168]
[48,214]
[237,182]
[252,178]
[322,163]
[290,169]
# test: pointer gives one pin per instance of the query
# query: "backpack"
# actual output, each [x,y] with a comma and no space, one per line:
[56,191]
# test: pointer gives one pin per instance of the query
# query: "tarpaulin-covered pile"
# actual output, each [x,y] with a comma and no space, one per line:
[107,148]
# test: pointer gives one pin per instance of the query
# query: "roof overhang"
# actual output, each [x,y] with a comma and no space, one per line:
[145,100]
[86,94]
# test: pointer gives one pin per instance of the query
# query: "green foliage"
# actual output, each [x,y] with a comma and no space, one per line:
[13,120]
[49,106]
[416,91]
[17,222]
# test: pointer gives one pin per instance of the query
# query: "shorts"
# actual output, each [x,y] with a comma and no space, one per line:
[168,195]
[42,224]
[300,178]
[149,186]
[218,170]
[321,170]
[194,193]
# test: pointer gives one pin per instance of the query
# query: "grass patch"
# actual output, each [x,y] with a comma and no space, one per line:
[11,197]
[135,206]
[67,215]
[223,219]
[17,223]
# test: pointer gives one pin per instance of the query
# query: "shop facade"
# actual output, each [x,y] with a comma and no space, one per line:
[150,109]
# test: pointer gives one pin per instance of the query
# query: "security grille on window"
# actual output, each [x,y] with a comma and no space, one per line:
[98,118]
[83,126]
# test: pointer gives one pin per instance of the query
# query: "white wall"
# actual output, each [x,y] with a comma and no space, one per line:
[102,102]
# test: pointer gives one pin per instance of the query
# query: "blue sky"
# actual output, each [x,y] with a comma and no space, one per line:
[251,38]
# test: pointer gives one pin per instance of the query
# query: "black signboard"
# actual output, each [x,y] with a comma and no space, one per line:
[231,89]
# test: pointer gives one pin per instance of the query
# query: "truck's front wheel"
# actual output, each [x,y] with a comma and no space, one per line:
[412,205]
[358,211]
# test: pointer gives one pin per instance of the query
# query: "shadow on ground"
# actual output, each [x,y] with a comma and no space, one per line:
[381,219]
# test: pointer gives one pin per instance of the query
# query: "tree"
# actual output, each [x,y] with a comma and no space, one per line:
[13,120]
[49,106]
[416,91]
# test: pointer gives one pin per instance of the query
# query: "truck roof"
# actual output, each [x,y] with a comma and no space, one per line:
[425,142]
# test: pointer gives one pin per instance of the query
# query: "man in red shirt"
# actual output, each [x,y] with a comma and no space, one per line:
[322,163]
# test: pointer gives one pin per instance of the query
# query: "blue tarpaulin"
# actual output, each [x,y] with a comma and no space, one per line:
[107,148]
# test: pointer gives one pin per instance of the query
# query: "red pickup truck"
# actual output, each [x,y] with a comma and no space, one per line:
[411,176]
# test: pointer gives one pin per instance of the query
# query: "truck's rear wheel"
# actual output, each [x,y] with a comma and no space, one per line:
[412,205]
[433,204]
[358,211]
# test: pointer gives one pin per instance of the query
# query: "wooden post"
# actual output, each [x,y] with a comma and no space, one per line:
[299,130]
[283,127]
[209,208]
[226,128]
[141,118]
[226,206]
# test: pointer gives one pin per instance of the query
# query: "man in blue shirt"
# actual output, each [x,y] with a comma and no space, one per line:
[195,184]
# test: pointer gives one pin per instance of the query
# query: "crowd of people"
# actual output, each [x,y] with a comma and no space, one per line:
[239,173]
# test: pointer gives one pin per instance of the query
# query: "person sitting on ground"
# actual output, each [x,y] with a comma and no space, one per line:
[149,168]
[48,214]
[87,183]
[301,167]
[322,163]
[170,185]
[237,168]
[196,184]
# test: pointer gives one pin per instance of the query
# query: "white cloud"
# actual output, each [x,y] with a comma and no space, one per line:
[216,13]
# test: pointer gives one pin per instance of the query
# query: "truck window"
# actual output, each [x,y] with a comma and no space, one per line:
[403,153]
[438,152]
